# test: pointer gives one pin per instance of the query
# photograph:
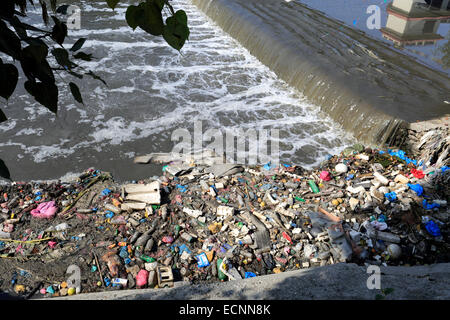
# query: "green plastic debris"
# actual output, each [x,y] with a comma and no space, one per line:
[220,274]
[313,186]
[201,223]
[299,199]
[147,258]
[223,200]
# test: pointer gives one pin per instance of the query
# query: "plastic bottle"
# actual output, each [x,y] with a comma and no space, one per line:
[380,235]
[313,186]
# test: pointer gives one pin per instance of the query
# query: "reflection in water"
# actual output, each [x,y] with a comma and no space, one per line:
[428,49]
[415,22]
[445,50]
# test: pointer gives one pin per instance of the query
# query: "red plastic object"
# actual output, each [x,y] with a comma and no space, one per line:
[286,236]
[325,176]
[417,173]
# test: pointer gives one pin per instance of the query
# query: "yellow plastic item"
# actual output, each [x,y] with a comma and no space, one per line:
[210,255]
[19,288]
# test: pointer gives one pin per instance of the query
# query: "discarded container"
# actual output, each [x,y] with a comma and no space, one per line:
[220,274]
[313,186]
[394,251]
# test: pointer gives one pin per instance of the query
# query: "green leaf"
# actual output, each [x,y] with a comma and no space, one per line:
[181,17]
[379,297]
[176,32]
[44,93]
[160,4]
[150,19]
[59,31]
[4,172]
[147,16]
[62,57]
[8,81]
[37,52]
[112,3]
[77,45]
[62,9]
[132,16]
[19,27]
[76,92]
[35,65]
[6,9]
[9,42]
[2,116]
[83,56]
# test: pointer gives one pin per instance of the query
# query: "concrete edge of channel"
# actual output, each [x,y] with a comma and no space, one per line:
[341,281]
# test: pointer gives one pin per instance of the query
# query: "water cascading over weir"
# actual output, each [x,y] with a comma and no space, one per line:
[370,89]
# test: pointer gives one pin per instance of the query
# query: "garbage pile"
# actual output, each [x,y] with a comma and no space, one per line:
[206,221]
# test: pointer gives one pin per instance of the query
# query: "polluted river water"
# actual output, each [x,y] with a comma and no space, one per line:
[153,90]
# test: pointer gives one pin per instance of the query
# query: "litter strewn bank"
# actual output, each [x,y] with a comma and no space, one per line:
[203,221]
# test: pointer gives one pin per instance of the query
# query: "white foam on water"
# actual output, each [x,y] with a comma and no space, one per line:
[153,90]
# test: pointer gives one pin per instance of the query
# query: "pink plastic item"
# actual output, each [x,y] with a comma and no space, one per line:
[52,244]
[325,176]
[45,210]
[141,278]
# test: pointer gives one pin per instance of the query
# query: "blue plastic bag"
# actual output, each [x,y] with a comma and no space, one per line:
[350,177]
[184,248]
[429,206]
[433,228]
[106,192]
[391,196]
[444,168]
[202,260]
[269,166]
[181,187]
[417,188]
[401,155]
[249,275]
[109,214]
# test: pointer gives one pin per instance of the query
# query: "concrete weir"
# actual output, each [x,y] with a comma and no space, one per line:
[372,90]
